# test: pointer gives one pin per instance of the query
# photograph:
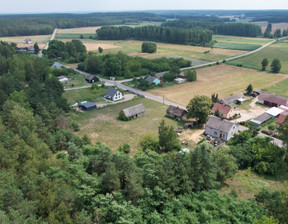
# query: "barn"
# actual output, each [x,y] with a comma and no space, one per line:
[176,113]
[272,100]
[87,106]
[91,79]
[134,112]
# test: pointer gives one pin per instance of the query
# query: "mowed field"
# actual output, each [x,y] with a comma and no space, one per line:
[222,79]
[103,126]
[275,26]
[280,88]
[277,50]
[42,40]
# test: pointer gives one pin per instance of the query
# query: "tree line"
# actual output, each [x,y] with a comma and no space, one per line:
[156,33]
[235,29]
[19,25]
[121,65]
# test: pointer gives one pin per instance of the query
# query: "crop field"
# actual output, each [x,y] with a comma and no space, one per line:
[19,40]
[222,79]
[274,26]
[280,88]
[103,126]
[277,50]
[241,40]
[237,46]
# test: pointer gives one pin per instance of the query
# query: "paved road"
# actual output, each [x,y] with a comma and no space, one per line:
[162,99]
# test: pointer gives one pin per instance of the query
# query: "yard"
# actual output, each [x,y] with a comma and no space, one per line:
[277,50]
[222,79]
[19,40]
[103,126]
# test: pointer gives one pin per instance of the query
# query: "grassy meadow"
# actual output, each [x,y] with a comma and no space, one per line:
[19,40]
[237,46]
[280,88]
[103,126]
[222,79]
[277,50]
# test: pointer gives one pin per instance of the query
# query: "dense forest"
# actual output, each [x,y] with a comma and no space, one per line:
[121,65]
[157,33]
[20,25]
[51,175]
[217,27]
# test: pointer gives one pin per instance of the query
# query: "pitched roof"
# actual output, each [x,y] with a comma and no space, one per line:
[220,124]
[150,79]
[231,99]
[132,111]
[274,111]
[90,77]
[176,111]
[223,109]
[282,117]
[272,98]
[56,64]
[263,117]
[111,91]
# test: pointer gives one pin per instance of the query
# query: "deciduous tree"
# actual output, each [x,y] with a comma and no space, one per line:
[199,107]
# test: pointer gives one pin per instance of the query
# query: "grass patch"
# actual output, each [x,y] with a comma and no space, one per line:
[277,50]
[280,88]
[222,79]
[241,40]
[86,94]
[75,80]
[103,126]
[237,46]
[247,184]
[246,104]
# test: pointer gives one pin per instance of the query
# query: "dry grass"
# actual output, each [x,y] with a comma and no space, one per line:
[19,40]
[222,79]
[275,26]
[248,184]
[80,30]
[95,46]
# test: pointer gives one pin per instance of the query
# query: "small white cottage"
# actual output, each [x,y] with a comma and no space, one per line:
[113,94]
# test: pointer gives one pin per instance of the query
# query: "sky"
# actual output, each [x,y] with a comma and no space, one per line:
[41,6]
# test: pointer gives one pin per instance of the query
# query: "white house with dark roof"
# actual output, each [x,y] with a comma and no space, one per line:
[221,128]
[113,94]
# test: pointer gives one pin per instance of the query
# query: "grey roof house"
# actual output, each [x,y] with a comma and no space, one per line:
[56,65]
[176,113]
[91,78]
[87,106]
[134,112]
[113,94]
[221,128]
[237,98]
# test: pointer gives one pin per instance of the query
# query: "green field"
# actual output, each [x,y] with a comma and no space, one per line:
[237,46]
[277,50]
[103,126]
[243,40]
[280,88]
[86,94]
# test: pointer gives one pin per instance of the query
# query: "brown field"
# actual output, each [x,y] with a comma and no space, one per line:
[274,26]
[95,46]
[19,40]
[80,30]
[222,79]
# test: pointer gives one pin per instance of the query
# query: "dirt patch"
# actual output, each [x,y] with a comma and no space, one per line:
[275,26]
[95,46]
[193,135]
[41,46]
[80,30]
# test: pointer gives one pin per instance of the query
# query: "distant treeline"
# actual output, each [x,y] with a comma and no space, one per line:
[217,27]
[156,33]
[18,25]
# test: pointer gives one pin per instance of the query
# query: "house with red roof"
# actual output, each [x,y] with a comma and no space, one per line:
[281,118]
[225,110]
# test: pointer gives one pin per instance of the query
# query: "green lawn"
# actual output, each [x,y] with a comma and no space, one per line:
[243,40]
[277,50]
[280,88]
[103,126]
[87,94]
[75,80]
[237,46]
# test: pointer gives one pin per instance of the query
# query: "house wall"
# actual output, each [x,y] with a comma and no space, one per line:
[232,132]
[118,96]
[260,101]
[216,133]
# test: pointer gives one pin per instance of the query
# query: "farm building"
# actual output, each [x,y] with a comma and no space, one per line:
[176,113]
[134,112]
[272,100]
[28,41]
[159,75]
[113,94]
[31,49]
[153,80]
[87,106]
[91,78]
[261,119]
[63,79]
[56,65]
[274,112]
[281,118]
[179,80]
[221,128]
[225,110]
[235,99]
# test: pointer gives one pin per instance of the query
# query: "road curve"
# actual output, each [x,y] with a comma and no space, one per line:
[162,99]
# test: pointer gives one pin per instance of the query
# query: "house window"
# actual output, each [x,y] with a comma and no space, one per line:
[215,132]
